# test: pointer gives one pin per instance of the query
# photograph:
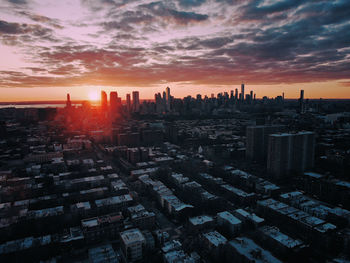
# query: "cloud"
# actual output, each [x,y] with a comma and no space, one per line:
[21,33]
[144,43]
[42,19]
[191,3]
[171,15]
[17,2]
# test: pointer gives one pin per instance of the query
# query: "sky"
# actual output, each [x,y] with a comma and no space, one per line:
[49,48]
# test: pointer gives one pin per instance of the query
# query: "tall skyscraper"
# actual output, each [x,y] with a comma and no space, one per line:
[290,152]
[242,91]
[128,103]
[113,101]
[135,101]
[251,96]
[257,140]
[167,98]
[301,101]
[68,102]
[236,94]
[104,102]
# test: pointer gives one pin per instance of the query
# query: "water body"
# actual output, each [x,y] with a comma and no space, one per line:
[22,106]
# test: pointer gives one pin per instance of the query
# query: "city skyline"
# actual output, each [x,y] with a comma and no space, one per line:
[53,48]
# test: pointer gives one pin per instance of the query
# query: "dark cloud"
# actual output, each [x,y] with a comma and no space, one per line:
[18,2]
[20,33]
[191,3]
[98,5]
[42,19]
[159,9]
[255,10]
[17,28]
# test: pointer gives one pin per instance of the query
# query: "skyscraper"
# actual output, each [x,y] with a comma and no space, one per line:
[104,101]
[135,101]
[242,91]
[68,102]
[167,98]
[290,152]
[113,101]
[301,101]
[236,94]
[128,103]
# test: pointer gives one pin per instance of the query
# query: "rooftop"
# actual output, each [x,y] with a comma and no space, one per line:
[200,220]
[131,236]
[215,238]
[252,251]
[229,217]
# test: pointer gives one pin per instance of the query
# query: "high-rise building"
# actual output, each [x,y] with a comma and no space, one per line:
[135,101]
[128,103]
[113,101]
[236,94]
[231,95]
[159,103]
[242,91]
[167,98]
[290,152]
[301,101]
[104,101]
[68,102]
[251,96]
[257,140]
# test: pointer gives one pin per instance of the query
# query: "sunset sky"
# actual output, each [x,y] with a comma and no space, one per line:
[52,47]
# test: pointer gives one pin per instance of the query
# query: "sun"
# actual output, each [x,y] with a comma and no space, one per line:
[93,96]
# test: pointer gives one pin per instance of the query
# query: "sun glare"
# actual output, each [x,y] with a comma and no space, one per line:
[93,96]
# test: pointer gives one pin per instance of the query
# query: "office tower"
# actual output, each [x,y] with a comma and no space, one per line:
[242,91]
[301,101]
[68,102]
[128,103]
[254,96]
[113,101]
[283,95]
[251,96]
[104,100]
[290,152]
[167,91]
[236,94]
[231,95]
[159,103]
[257,140]
[135,101]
